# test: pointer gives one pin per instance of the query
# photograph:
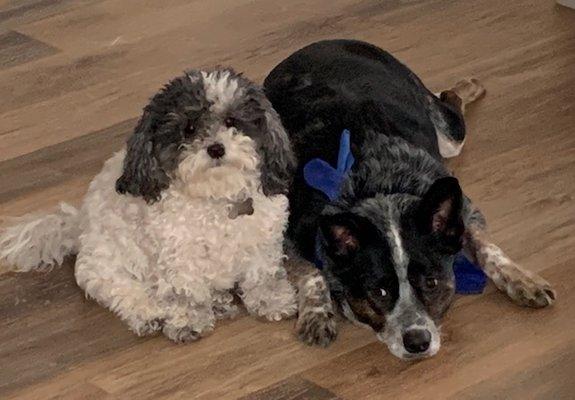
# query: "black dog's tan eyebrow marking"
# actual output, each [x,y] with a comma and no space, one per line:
[363,311]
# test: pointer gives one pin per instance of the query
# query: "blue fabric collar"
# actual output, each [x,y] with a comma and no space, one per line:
[322,176]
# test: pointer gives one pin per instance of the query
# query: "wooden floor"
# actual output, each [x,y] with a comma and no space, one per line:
[74,75]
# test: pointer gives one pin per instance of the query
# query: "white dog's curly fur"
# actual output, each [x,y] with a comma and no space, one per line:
[158,239]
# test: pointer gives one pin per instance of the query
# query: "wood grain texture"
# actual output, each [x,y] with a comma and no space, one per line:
[57,164]
[63,115]
[16,49]
[293,389]
[14,13]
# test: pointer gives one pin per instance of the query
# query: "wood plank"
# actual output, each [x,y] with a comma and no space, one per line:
[89,80]
[17,49]
[13,13]
[292,389]
[38,335]
[53,165]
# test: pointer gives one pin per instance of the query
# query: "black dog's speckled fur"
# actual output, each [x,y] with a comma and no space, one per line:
[398,181]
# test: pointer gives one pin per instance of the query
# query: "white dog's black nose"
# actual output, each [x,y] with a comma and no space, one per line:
[216,150]
[416,340]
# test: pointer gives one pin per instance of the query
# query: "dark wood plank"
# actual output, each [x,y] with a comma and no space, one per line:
[81,156]
[17,48]
[293,389]
[552,379]
[48,325]
[18,12]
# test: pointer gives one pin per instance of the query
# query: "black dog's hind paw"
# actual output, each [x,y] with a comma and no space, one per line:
[317,328]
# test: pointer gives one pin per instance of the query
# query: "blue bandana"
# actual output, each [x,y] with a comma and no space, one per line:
[320,175]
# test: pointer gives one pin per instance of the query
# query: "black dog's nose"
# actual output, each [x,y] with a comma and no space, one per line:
[416,340]
[216,150]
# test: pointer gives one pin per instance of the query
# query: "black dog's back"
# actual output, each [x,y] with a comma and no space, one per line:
[313,93]
[334,85]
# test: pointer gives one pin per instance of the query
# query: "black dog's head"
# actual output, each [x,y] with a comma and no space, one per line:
[389,261]
[213,131]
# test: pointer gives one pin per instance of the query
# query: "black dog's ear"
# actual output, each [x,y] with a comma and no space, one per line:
[278,159]
[142,174]
[439,212]
[346,233]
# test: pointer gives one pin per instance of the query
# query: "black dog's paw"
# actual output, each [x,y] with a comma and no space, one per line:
[317,328]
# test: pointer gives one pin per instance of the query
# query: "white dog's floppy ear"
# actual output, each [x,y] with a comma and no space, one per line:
[142,174]
[278,159]
[154,147]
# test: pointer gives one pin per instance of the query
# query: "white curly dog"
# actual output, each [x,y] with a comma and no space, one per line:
[192,210]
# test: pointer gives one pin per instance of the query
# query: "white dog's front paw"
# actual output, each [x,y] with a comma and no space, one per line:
[276,308]
[182,334]
[282,312]
[223,305]
[273,298]
[143,327]
[189,326]
[186,333]
[153,326]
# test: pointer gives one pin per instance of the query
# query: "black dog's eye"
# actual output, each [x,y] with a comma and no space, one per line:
[189,129]
[383,292]
[230,122]
[431,283]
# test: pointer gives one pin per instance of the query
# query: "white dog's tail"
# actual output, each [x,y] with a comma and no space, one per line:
[40,241]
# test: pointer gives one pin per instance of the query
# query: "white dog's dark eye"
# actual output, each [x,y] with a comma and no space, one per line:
[431,283]
[230,122]
[383,292]
[189,129]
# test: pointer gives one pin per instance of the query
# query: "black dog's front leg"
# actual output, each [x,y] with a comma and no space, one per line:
[524,287]
[316,323]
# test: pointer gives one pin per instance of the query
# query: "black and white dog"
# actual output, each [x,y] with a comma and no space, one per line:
[387,243]
[192,211]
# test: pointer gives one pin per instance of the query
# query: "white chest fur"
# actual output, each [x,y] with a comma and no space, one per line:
[182,238]
[197,236]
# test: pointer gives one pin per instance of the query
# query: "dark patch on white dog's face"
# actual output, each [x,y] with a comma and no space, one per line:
[191,117]
[389,261]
